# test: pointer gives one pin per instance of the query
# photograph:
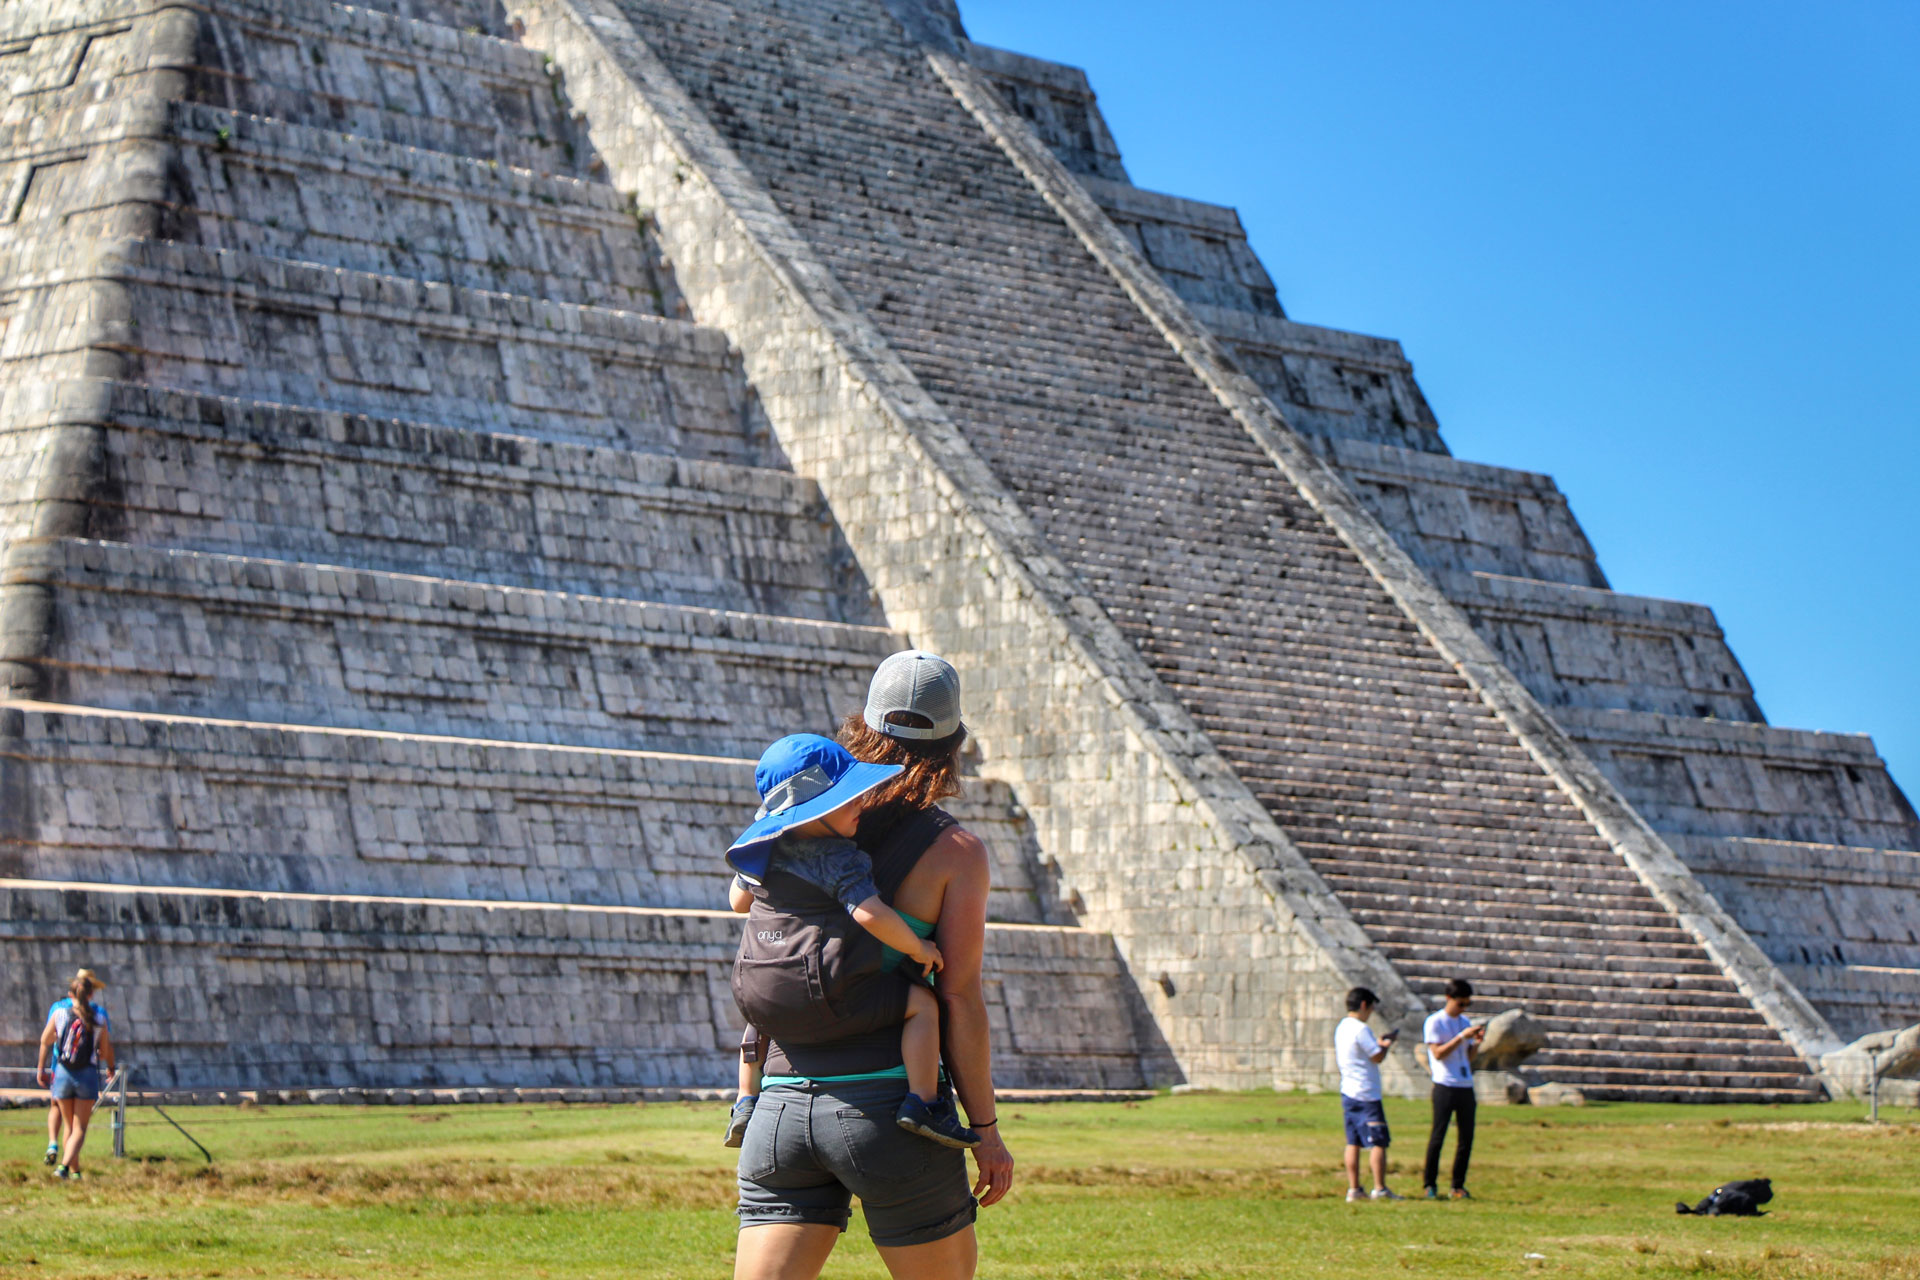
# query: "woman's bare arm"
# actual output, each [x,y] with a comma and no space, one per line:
[48,1034]
[886,924]
[106,1049]
[962,934]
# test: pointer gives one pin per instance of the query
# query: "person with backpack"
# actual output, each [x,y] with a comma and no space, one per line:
[802,974]
[825,1128]
[78,1042]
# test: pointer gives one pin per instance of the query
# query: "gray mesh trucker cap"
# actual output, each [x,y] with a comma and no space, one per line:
[921,683]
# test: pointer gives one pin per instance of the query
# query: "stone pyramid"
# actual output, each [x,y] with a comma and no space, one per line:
[442,441]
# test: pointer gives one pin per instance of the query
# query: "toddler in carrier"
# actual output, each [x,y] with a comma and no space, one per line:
[803,975]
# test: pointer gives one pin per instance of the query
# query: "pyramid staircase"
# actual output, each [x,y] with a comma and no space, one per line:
[1418,807]
[397,583]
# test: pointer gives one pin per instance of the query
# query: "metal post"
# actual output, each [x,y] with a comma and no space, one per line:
[1873,1085]
[120,1116]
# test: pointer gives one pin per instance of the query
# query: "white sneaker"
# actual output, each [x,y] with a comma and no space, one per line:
[1355,1193]
[1383,1193]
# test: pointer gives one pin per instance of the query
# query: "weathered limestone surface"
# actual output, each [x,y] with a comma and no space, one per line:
[217,474]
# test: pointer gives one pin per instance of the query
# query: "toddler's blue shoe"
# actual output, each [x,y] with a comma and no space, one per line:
[939,1124]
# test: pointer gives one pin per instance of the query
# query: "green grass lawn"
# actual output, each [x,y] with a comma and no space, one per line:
[1221,1185]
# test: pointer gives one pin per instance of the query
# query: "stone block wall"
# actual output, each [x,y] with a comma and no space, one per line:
[216,989]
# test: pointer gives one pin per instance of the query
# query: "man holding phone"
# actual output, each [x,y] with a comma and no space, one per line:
[1359,1054]
[1451,1039]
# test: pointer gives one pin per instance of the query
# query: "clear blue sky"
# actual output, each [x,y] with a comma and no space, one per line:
[1669,253]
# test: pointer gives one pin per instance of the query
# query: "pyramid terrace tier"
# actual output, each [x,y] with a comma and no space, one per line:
[201,320]
[160,800]
[346,68]
[1453,516]
[1859,999]
[1583,647]
[1691,776]
[306,990]
[140,629]
[1202,251]
[1330,383]
[314,195]
[208,473]
[1843,922]
[420,84]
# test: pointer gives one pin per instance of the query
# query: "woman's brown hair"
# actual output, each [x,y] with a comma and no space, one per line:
[931,770]
[81,990]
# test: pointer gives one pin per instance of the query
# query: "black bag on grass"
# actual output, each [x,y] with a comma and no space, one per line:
[1735,1199]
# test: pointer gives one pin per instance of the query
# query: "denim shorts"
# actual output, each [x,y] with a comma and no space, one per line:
[810,1149]
[83,1084]
[1366,1122]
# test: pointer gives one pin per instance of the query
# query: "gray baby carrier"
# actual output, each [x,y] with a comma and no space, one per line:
[806,973]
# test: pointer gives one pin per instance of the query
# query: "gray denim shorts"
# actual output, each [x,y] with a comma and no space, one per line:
[810,1149]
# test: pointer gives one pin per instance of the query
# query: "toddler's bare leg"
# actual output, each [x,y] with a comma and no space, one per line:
[920,1042]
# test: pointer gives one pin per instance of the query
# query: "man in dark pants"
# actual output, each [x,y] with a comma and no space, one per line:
[1451,1040]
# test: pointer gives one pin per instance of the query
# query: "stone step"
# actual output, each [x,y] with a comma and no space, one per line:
[1735,1073]
[1726,778]
[1654,1048]
[1324,811]
[1568,994]
[418,84]
[417,992]
[1561,962]
[1488,867]
[341,200]
[190,801]
[1704,1097]
[1655,928]
[141,629]
[1743,1031]
[1578,950]
[203,320]
[1507,910]
[207,473]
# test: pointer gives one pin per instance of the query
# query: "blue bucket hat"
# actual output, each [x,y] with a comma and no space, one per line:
[801,777]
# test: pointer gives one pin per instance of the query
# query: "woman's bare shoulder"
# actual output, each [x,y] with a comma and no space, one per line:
[958,851]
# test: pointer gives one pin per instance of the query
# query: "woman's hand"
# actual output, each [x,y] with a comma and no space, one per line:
[927,956]
[45,1077]
[995,1164]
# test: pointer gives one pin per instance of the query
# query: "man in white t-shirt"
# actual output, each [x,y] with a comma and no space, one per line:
[1451,1039]
[1359,1054]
